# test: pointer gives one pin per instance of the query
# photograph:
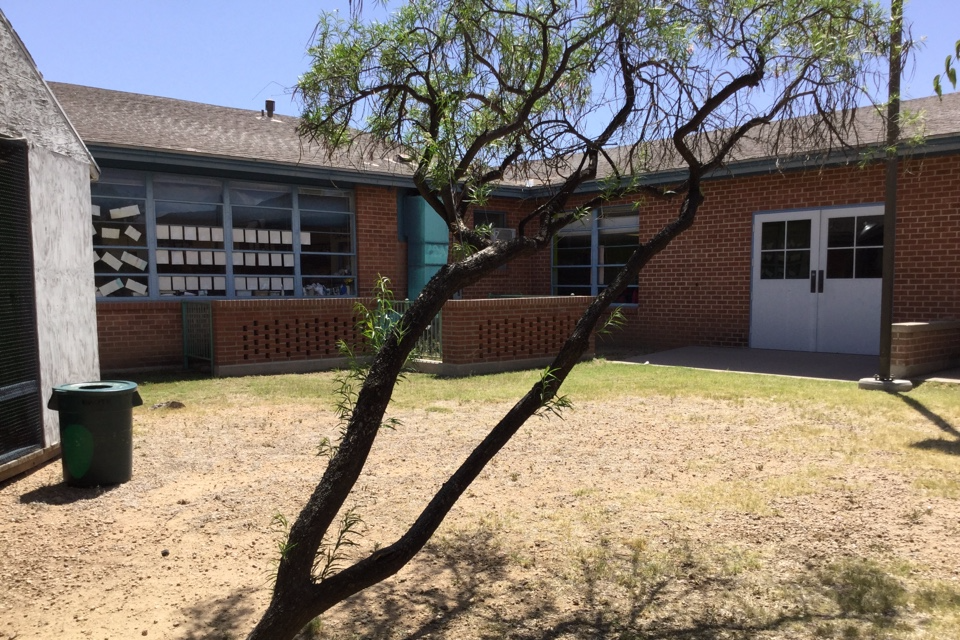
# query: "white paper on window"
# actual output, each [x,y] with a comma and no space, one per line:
[216,234]
[110,233]
[192,257]
[132,233]
[263,259]
[176,257]
[179,283]
[274,237]
[276,284]
[203,234]
[263,284]
[263,236]
[125,212]
[190,233]
[219,258]
[240,284]
[305,238]
[133,260]
[219,283]
[288,283]
[176,232]
[276,260]
[288,259]
[111,260]
[250,235]
[206,282]
[94,228]
[165,283]
[163,232]
[251,259]
[193,283]
[109,287]
[136,287]
[238,235]
[163,256]
[206,257]
[95,210]
[286,237]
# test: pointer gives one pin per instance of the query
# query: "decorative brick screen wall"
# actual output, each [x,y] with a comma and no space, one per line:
[508,329]
[248,333]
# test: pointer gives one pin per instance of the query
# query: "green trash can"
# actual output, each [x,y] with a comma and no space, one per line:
[96,430]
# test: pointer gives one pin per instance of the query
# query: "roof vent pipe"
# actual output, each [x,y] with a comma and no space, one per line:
[270,106]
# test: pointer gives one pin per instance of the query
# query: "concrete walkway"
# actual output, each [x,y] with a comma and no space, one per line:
[827,366]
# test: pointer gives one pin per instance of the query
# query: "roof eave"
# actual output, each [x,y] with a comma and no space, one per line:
[162,160]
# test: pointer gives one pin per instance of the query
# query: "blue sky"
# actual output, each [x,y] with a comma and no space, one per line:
[238,53]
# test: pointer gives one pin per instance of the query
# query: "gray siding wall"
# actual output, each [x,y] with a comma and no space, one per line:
[63,272]
[27,108]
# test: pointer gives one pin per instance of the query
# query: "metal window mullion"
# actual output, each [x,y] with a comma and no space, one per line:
[230,291]
[153,278]
[594,252]
[297,252]
[354,267]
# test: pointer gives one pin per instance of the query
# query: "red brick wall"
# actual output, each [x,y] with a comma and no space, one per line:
[263,331]
[528,275]
[379,249]
[921,347]
[697,292]
[927,285]
[503,329]
[139,335]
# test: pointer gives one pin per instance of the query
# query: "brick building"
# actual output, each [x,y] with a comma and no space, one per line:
[205,203]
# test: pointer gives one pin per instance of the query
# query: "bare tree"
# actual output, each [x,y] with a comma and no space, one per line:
[570,94]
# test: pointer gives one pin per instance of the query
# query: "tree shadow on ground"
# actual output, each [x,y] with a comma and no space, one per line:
[951,447]
[488,601]
[468,560]
[224,618]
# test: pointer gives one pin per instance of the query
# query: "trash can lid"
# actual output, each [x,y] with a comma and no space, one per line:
[101,386]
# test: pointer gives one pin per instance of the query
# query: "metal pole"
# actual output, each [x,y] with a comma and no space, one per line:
[890,208]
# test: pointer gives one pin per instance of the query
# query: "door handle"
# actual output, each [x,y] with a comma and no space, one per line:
[820,281]
[813,281]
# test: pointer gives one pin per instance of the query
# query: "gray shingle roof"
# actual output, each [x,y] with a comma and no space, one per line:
[935,121]
[131,120]
[135,121]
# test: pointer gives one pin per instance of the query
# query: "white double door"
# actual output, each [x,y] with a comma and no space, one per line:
[816,278]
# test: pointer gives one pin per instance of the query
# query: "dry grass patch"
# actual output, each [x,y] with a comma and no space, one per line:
[667,504]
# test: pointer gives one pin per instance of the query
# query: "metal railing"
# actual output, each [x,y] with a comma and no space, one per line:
[430,344]
[197,333]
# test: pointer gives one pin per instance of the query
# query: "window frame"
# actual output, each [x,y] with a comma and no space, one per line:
[226,214]
[593,227]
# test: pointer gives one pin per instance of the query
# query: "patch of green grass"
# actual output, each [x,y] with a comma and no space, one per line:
[751,496]
[938,598]
[939,486]
[862,587]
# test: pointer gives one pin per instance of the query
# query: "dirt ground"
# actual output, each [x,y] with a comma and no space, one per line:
[634,516]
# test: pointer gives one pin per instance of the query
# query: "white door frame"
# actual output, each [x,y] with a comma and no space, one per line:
[814,312]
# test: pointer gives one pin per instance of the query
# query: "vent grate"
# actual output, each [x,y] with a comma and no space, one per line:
[21,428]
